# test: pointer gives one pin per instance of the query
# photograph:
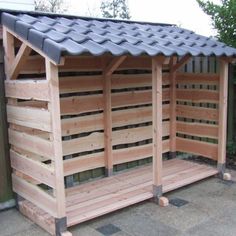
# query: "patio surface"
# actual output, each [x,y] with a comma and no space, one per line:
[208,209]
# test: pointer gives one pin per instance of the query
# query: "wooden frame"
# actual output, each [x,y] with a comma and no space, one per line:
[111,117]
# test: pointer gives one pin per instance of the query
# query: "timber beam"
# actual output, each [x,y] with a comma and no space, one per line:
[108,71]
[182,61]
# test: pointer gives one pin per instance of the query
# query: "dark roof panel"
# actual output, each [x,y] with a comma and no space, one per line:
[58,35]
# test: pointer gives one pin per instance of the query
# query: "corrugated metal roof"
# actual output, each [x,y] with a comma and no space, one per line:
[58,35]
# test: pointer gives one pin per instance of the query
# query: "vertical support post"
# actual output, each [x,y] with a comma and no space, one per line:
[172,77]
[157,126]
[54,107]
[223,93]
[107,124]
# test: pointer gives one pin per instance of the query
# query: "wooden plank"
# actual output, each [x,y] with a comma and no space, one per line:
[121,81]
[194,112]
[197,129]
[77,125]
[133,135]
[38,216]
[136,98]
[57,163]
[29,117]
[197,147]
[19,60]
[27,89]
[81,104]
[35,195]
[96,160]
[91,142]
[31,143]
[73,84]
[194,78]
[37,170]
[223,112]
[194,95]
[114,64]
[83,163]
[180,63]
[157,121]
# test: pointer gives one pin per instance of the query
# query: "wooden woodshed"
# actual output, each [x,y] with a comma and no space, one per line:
[90,96]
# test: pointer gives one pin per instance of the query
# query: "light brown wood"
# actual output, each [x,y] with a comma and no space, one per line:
[31,143]
[27,89]
[72,84]
[197,147]
[172,77]
[37,170]
[29,117]
[182,61]
[163,201]
[9,49]
[93,199]
[35,195]
[223,112]
[194,95]
[54,107]
[19,60]
[227,176]
[195,112]
[113,65]
[197,129]
[157,120]
[80,104]
[195,78]
[91,142]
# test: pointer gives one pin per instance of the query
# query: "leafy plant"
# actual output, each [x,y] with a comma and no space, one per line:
[231,148]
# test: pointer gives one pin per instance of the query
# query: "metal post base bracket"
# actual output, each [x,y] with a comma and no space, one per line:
[108,172]
[18,200]
[221,170]
[157,193]
[60,226]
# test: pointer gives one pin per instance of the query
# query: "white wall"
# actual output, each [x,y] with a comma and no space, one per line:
[25,5]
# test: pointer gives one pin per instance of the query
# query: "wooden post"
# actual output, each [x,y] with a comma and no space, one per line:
[157,125]
[222,116]
[54,107]
[108,124]
[172,109]
[107,73]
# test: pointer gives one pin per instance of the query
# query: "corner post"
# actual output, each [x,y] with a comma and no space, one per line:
[172,78]
[157,125]
[223,93]
[54,108]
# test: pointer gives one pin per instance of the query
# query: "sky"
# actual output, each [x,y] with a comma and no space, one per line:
[184,13]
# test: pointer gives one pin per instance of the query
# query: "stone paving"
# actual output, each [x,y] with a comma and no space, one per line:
[209,210]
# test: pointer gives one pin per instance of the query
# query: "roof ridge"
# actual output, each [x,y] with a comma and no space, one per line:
[54,15]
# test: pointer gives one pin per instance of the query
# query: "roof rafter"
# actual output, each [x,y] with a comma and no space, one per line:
[19,61]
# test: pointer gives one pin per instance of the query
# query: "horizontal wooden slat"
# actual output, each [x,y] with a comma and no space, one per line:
[196,95]
[72,84]
[31,143]
[194,112]
[195,78]
[197,129]
[27,89]
[80,104]
[96,160]
[197,147]
[83,163]
[136,134]
[29,117]
[34,194]
[91,142]
[32,168]
[135,98]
